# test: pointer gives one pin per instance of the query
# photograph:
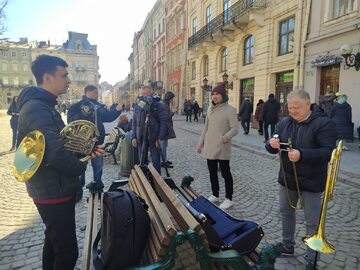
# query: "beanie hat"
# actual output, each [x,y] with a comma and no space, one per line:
[220,89]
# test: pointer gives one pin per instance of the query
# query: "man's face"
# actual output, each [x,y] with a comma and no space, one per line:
[217,98]
[59,81]
[93,94]
[299,109]
[144,92]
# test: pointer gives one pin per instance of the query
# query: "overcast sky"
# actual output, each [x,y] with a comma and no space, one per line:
[110,24]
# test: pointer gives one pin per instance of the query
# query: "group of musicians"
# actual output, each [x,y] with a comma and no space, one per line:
[55,184]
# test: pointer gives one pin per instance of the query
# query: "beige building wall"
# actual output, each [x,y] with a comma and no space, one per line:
[260,19]
[328,32]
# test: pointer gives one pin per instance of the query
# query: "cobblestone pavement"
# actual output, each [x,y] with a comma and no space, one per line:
[255,198]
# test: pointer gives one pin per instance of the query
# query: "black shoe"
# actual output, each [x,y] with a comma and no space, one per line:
[166,165]
[169,162]
[285,250]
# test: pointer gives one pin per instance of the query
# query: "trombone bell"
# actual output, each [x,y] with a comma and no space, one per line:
[318,243]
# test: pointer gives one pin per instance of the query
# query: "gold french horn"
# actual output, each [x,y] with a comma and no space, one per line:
[79,137]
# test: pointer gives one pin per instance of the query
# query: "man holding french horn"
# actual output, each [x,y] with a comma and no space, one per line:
[54,184]
[305,140]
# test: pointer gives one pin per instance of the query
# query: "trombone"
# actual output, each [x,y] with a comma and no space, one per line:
[317,241]
[289,148]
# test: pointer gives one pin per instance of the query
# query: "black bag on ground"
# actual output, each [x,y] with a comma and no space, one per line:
[125,228]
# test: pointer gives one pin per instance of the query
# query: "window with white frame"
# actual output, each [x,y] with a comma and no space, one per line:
[249,50]
[286,36]
[224,55]
[342,7]
[227,15]
[208,18]
[194,25]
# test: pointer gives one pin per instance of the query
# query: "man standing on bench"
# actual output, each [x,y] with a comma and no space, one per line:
[91,110]
[221,125]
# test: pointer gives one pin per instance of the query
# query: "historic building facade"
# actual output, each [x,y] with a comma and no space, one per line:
[176,50]
[337,27]
[252,45]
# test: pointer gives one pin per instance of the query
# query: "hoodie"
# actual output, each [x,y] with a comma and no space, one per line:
[315,138]
[58,173]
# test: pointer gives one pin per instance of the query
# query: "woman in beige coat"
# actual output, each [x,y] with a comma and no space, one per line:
[221,125]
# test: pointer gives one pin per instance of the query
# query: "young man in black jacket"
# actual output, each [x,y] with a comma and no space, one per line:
[313,137]
[91,110]
[54,184]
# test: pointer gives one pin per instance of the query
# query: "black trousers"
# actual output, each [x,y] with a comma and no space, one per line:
[196,117]
[60,251]
[245,125]
[225,173]
[188,117]
[261,128]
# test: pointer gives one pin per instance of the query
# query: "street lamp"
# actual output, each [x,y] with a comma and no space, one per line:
[227,84]
[351,60]
[205,86]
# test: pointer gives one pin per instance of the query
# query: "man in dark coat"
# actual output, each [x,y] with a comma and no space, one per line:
[313,137]
[149,107]
[270,115]
[258,116]
[246,110]
[54,184]
[91,110]
[196,109]
[170,133]
[13,111]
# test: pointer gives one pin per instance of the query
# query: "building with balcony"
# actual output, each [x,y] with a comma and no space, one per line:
[336,27]
[252,45]
[15,71]
[176,51]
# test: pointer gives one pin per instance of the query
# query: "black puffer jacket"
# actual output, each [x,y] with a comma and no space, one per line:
[342,116]
[315,138]
[270,113]
[103,115]
[58,173]
[170,133]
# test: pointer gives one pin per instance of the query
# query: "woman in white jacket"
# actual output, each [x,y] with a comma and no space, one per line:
[221,125]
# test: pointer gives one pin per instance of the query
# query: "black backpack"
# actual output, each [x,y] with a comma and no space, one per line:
[125,228]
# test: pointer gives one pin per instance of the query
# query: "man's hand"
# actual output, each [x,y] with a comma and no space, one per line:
[294,155]
[118,107]
[274,143]
[98,151]
[198,149]
[134,142]
[158,143]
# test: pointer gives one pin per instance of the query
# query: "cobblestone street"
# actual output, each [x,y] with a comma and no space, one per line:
[255,198]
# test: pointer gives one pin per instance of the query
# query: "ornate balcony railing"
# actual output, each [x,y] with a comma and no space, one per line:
[225,18]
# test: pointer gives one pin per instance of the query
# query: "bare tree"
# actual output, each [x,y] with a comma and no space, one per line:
[3,5]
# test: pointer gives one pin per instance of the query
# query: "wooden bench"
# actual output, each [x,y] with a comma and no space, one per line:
[112,141]
[175,201]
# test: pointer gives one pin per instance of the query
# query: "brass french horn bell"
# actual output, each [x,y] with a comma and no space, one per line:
[29,155]
[79,136]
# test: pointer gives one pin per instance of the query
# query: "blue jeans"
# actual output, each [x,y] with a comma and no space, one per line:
[266,129]
[97,165]
[155,155]
[164,146]
[312,208]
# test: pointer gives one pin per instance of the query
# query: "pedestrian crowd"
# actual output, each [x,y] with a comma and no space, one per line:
[57,185]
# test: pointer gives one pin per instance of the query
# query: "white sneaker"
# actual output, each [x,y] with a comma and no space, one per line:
[213,199]
[226,204]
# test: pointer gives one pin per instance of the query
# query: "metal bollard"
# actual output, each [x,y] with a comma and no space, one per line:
[126,155]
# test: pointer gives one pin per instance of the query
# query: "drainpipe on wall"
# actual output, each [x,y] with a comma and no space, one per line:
[298,51]
[302,48]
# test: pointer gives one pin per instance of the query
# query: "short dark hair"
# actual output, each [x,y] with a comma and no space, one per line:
[90,88]
[271,96]
[46,64]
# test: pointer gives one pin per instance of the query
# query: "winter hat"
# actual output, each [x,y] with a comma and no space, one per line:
[220,89]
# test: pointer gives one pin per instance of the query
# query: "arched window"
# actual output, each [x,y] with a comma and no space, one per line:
[206,66]
[224,55]
[249,50]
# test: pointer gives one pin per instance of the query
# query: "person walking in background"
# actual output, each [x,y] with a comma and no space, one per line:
[54,184]
[13,111]
[246,110]
[196,109]
[313,135]
[258,116]
[221,125]
[326,102]
[188,109]
[341,114]
[170,133]
[91,110]
[270,116]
